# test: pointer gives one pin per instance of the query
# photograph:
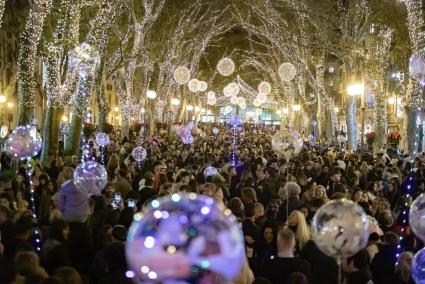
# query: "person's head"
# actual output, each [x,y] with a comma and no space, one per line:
[59,230]
[248,195]
[27,262]
[335,177]
[119,233]
[69,275]
[249,210]
[213,190]
[259,173]
[381,205]
[185,177]
[5,214]
[391,239]
[357,195]
[297,278]
[231,170]
[237,207]
[8,271]
[24,227]
[269,232]
[290,190]
[43,179]
[357,262]
[320,192]
[258,210]
[285,241]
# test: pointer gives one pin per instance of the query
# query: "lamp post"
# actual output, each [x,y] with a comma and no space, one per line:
[151,95]
[356,88]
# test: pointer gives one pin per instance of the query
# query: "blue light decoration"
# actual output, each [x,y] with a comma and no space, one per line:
[234,123]
[403,219]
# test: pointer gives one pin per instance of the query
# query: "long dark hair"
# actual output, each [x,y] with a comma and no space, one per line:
[56,230]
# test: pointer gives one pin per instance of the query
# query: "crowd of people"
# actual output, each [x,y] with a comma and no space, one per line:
[79,240]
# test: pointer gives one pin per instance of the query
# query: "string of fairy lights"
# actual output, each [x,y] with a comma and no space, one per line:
[28,52]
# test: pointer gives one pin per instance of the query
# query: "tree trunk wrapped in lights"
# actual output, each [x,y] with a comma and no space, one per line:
[27,58]
[2,6]
[416,27]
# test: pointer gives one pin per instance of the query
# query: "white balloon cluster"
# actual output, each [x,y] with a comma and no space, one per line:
[287,143]
[196,85]
[226,66]
[287,71]
[181,75]
[241,102]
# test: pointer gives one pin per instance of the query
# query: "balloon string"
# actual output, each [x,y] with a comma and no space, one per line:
[338,260]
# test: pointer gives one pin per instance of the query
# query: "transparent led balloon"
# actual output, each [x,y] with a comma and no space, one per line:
[288,143]
[90,177]
[340,228]
[183,236]
[139,154]
[287,72]
[215,130]
[226,66]
[418,267]
[24,142]
[210,171]
[181,75]
[102,139]
[417,216]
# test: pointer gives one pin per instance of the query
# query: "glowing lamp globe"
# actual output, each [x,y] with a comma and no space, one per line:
[194,85]
[90,177]
[240,101]
[181,75]
[226,66]
[287,72]
[102,139]
[355,89]
[231,89]
[151,94]
[24,142]
[175,102]
[264,88]
[211,101]
[202,86]
[210,95]
[177,238]
[189,107]
[256,102]
[233,100]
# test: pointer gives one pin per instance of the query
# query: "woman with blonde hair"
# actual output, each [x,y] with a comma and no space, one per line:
[320,192]
[297,223]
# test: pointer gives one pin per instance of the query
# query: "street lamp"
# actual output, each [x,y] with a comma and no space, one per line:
[357,88]
[189,107]
[2,99]
[151,94]
[9,105]
[285,110]
[296,107]
[116,109]
[64,118]
[391,100]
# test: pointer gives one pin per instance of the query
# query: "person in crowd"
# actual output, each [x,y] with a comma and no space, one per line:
[357,268]
[298,225]
[290,194]
[279,268]
[54,252]
[383,264]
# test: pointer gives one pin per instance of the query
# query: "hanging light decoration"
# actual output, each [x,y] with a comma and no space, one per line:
[287,72]
[262,98]
[181,75]
[231,89]
[194,85]
[202,86]
[228,109]
[211,94]
[243,105]
[240,101]
[264,88]
[226,66]
[233,100]
[256,102]
[212,101]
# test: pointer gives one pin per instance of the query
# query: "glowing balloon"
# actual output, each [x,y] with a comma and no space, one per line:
[24,142]
[210,171]
[418,264]
[139,154]
[215,130]
[416,217]
[288,143]
[187,139]
[90,177]
[102,139]
[179,236]
[340,228]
